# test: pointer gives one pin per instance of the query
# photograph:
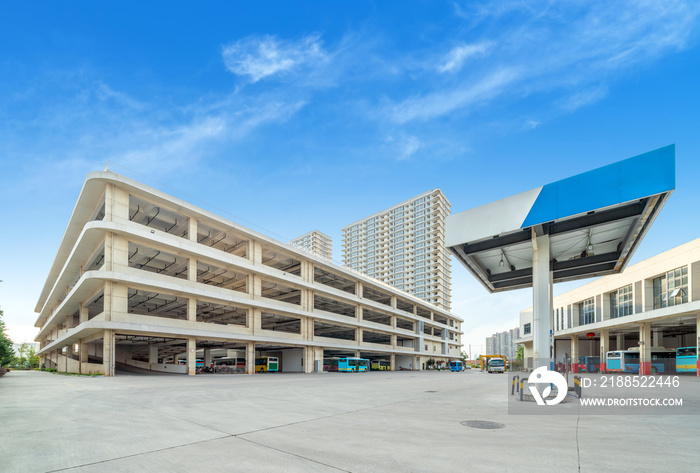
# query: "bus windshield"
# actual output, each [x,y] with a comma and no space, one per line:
[497,363]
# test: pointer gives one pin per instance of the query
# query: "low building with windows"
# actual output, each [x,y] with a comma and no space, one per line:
[654,303]
[142,280]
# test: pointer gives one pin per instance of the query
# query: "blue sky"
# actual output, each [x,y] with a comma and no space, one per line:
[290,116]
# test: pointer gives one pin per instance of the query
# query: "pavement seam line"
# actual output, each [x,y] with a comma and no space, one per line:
[139,454]
[578,451]
[292,454]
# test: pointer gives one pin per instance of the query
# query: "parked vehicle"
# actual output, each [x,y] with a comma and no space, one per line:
[496,365]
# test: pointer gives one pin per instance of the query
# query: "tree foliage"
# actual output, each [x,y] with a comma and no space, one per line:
[7,354]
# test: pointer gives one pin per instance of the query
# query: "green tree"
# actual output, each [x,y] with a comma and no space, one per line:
[521,352]
[7,354]
[32,358]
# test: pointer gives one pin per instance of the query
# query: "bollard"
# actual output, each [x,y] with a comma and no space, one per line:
[578,388]
[521,387]
[514,385]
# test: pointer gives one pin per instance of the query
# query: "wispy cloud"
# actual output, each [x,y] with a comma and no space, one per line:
[568,52]
[261,57]
[456,58]
[441,103]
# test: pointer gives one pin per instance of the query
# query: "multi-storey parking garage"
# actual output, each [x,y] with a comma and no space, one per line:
[144,281]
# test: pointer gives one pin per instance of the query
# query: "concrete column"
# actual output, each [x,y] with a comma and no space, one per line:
[256,322]
[645,348]
[83,314]
[657,338]
[254,252]
[192,309]
[82,356]
[308,359]
[207,357]
[620,345]
[392,362]
[359,289]
[307,271]
[416,363]
[574,353]
[604,347]
[108,353]
[358,336]
[307,300]
[192,269]
[192,230]
[256,286]
[70,322]
[393,302]
[393,341]
[542,300]
[358,312]
[153,355]
[192,356]
[250,358]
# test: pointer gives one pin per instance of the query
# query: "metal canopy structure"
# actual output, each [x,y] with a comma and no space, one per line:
[594,221]
[584,226]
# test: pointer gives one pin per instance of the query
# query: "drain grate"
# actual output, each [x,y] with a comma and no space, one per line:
[482,424]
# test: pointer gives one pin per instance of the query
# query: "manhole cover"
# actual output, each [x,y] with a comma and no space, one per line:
[482,424]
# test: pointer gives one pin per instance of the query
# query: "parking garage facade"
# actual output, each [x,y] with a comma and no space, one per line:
[146,282]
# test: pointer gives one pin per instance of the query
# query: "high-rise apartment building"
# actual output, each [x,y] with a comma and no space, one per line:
[503,343]
[404,246]
[314,242]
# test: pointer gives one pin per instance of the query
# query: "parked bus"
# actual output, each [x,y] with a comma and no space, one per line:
[456,366]
[353,364]
[589,364]
[266,363]
[380,365]
[330,364]
[627,361]
[687,360]
[496,365]
[230,361]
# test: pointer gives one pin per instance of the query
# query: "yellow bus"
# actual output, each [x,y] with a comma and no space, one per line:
[266,363]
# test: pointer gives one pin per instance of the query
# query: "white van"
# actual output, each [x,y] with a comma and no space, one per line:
[496,365]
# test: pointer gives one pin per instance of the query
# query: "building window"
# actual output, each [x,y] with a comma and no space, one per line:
[621,302]
[526,329]
[671,288]
[586,312]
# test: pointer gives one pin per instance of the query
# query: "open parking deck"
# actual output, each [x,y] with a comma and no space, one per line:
[329,422]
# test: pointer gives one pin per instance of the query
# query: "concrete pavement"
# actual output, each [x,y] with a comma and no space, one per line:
[357,422]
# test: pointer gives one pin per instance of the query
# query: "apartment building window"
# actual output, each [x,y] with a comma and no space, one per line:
[671,288]
[526,329]
[586,312]
[557,324]
[621,302]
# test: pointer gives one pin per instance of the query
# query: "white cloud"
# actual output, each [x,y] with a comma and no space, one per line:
[267,56]
[409,146]
[567,50]
[441,103]
[456,58]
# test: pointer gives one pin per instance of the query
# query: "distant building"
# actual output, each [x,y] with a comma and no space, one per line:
[316,243]
[503,343]
[404,246]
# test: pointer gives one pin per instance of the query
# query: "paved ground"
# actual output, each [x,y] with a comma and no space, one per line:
[355,422]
